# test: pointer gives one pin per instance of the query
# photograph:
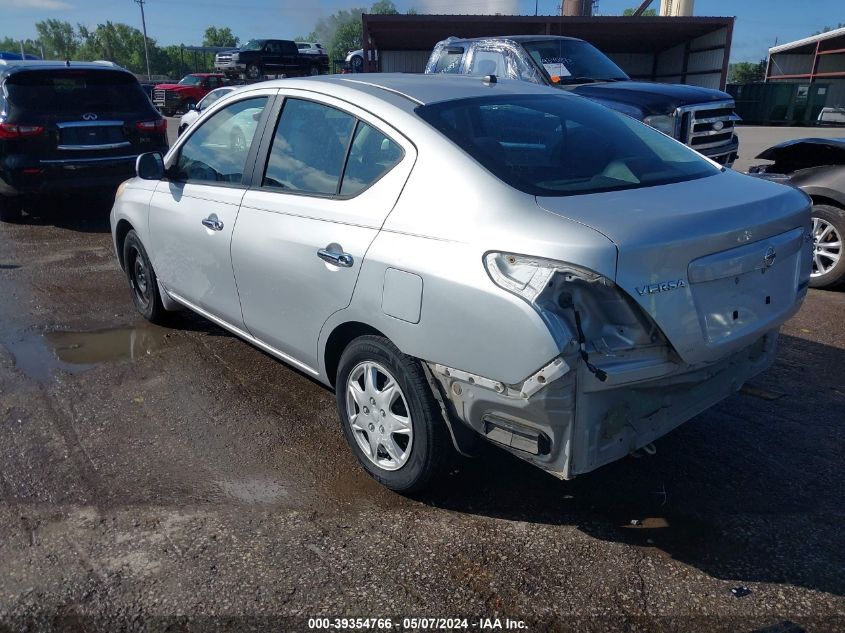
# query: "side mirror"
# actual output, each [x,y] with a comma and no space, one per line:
[150,166]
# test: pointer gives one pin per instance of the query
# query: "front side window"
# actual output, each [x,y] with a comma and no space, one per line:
[489,62]
[309,148]
[549,145]
[217,150]
[253,45]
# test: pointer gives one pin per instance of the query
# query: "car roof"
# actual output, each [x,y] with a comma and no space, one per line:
[418,88]
[8,67]
[515,38]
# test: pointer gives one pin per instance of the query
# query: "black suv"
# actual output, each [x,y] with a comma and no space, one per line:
[70,126]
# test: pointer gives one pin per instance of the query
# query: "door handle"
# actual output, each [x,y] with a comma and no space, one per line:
[344,260]
[212,223]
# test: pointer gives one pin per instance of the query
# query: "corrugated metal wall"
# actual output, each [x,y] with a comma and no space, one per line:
[404,61]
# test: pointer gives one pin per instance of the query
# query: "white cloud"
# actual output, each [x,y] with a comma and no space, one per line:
[52,5]
[487,7]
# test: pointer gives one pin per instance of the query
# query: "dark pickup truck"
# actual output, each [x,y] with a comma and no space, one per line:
[702,118]
[258,58]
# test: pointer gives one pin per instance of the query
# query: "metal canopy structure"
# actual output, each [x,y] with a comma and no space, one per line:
[820,57]
[672,49]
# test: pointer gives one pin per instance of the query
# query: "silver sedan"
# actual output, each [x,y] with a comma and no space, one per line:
[463,258]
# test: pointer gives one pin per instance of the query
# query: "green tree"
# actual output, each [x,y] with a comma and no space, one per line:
[648,13]
[220,36]
[58,38]
[746,72]
[11,45]
[384,7]
[116,42]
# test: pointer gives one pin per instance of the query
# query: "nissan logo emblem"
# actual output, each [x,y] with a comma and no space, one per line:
[89,116]
[769,257]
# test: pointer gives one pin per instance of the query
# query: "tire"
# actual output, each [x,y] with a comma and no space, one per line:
[356,64]
[419,449]
[828,262]
[143,282]
[314,70]
[253,71]
[10,210]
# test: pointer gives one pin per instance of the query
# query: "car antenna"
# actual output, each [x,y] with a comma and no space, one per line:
[490,79]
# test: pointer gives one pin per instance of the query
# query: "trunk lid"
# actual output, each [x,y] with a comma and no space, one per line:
[715,261]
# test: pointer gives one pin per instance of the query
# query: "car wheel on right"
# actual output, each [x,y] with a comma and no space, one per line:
[828,229]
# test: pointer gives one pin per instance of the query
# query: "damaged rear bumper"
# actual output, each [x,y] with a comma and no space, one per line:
[574,423]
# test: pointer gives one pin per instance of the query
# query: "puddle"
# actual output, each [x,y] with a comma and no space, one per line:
[39,356]
[254,490]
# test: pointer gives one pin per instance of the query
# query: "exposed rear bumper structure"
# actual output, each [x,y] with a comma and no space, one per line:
[640,401]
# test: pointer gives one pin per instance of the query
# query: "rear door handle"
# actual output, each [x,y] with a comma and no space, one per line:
[212,223]
[344,260]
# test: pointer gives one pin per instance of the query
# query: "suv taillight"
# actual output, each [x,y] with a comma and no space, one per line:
[159,125]
[11,130]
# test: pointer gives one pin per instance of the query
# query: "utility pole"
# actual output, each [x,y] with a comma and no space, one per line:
[144,25]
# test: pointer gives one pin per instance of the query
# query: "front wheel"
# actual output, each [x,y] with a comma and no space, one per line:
[253,71]
[142,279]
[389,415]
[314,70]
[828,229]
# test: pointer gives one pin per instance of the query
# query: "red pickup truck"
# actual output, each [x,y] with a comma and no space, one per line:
[172,98]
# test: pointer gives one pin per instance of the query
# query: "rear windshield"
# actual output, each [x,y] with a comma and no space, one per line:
[557,145]
[75,91]
[573,61]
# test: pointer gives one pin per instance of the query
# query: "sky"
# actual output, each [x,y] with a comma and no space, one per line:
[759,24]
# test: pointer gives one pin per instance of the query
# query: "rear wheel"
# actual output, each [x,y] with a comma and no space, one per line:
[10,210]
[142,279]
[389,415]
[828,230]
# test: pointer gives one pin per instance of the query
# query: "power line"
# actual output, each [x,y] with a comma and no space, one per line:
[144,26]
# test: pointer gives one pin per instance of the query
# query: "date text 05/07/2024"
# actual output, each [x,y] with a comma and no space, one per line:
[417,624]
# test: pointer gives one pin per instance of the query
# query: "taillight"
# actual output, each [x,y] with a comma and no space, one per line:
[12,130]
[159,125]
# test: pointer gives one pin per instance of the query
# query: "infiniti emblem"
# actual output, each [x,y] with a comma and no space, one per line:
[89,116]
[769,257]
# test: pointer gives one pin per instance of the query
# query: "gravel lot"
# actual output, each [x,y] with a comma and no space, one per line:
[179,479]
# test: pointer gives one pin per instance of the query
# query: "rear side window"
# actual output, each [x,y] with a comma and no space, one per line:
[550,145]
[309,148]
[449,60]
[371,156]
[76,91]
[321,150]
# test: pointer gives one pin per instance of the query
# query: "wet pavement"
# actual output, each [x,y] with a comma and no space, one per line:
[178,478]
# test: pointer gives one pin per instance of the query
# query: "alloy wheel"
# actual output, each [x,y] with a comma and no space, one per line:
[827,247]
[379,415]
